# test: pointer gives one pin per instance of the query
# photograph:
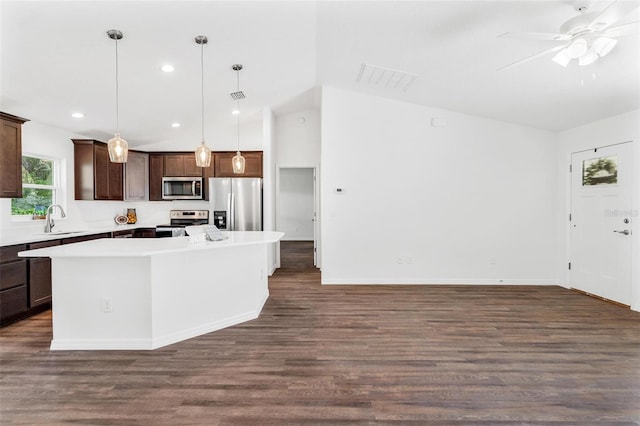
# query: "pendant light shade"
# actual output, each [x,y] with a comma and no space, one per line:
[203,155]
[238,160]
[238,163]
[203,152]
[118,147]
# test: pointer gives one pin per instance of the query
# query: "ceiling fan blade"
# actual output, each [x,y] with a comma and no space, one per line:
[536,36]
[628,28]
[611,14]
[528,58]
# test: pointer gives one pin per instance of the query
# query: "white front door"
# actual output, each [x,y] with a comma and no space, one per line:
[601,184]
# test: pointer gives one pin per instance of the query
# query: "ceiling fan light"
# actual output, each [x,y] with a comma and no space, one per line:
[562,58]
[588,58]
[577,48]
[603,45]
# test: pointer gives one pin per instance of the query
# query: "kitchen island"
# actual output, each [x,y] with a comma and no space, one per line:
[148,293]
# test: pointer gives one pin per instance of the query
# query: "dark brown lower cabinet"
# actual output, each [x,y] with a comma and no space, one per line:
[13,283]
[25,284]
[40,275]
[145,233]
[86,238]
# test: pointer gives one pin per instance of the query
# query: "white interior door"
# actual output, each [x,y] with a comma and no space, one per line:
[601,185]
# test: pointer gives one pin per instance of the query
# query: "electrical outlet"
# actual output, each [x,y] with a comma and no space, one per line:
[107,305]
[408,260]
[492,260]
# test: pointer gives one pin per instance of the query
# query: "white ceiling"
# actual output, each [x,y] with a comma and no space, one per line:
[57,59]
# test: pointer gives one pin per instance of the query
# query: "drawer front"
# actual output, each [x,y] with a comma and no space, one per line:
[13,301]
[13,274]
[86,238]
[10,253]
[44,244]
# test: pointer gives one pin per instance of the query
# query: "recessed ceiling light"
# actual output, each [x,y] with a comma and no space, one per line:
[167,68]
[175,125]
[77,115]
[235,112]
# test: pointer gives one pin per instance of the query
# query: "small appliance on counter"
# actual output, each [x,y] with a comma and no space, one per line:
[180,219]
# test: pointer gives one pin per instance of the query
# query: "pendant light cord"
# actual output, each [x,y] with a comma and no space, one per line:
[202,84]
[238,108]
[117,90]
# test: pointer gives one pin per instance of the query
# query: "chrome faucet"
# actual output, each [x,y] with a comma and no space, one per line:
[49,223]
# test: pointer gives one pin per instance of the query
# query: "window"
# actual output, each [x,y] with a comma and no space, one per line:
[39,186]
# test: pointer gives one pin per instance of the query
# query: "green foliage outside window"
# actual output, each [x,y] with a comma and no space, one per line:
[38,190]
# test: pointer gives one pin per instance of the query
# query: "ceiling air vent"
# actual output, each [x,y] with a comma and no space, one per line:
[387,78]
[237,95]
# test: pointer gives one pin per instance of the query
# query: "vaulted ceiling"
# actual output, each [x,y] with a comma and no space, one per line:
[57,59]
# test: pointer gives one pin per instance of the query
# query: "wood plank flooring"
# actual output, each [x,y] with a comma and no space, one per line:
[296,255]
[335,355]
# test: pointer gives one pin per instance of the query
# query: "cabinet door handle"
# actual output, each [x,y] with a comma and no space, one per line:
[625,232]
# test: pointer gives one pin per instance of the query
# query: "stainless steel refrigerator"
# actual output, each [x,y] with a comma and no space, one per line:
[235,204]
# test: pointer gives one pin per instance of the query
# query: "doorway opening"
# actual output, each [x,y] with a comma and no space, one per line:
[296,216]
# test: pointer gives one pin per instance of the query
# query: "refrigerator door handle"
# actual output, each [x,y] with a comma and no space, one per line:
[231,210]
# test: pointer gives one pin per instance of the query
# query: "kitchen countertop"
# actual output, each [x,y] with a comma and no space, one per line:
[140,247]
[64,231]
[146,293]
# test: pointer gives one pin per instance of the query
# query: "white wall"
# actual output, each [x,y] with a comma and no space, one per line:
[219,138]
[270,154]
[54,142]
[295,206]
[621,128]
[298,138]
[473,202]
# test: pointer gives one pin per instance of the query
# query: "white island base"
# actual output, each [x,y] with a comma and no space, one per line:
[144,294]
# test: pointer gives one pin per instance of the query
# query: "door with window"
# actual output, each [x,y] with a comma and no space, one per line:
[601,221]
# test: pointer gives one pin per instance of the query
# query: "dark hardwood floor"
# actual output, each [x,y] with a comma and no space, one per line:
[350,355]
[296,255]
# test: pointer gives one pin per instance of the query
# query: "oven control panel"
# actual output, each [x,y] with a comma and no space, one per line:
[196,215]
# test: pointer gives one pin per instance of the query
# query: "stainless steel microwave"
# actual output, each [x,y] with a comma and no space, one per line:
[182,188]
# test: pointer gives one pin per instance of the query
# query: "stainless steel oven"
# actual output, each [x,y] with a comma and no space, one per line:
[182,188]
[179,220]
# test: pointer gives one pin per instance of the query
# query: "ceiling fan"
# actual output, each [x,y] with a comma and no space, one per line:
[586,37]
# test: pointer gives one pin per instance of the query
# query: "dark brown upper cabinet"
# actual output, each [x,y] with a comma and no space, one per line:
[96,177]
[224,168]
[181,164]
[11,155]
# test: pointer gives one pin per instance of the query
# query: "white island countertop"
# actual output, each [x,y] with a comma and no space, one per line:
[145,293]
[140,247]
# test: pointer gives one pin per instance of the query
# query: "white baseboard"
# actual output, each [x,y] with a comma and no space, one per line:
[154,343]
[431,281]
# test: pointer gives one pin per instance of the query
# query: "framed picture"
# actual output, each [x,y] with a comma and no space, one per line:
[600,171]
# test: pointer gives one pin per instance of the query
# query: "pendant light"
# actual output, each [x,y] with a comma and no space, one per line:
[118,147]
[203,153]
[238,160]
